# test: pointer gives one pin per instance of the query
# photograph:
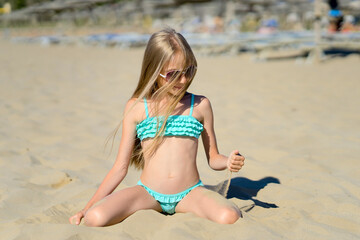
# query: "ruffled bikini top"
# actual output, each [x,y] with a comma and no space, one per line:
[176,125]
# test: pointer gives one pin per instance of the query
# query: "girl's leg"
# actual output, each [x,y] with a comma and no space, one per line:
[211,205]
[119,205]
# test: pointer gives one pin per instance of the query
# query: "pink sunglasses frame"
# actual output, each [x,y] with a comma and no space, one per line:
[182,73]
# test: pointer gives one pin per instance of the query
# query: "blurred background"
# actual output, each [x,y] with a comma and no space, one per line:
[213,26]
[67,68]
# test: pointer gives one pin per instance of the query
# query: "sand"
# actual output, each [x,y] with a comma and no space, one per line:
[297,124]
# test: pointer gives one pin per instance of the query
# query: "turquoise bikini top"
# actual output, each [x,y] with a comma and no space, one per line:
[176,125]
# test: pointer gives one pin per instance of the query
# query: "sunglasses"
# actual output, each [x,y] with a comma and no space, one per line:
[175,74]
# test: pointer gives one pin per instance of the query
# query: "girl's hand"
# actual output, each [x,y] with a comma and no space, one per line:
[235,161]
[76,219]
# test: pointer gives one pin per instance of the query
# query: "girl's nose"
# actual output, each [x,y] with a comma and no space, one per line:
[183,79]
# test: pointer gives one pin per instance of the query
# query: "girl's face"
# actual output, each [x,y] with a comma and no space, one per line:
[175,64]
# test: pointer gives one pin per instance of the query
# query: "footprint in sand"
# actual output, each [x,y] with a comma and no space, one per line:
[51,177]
[34,160]
[58,213]
[62,182]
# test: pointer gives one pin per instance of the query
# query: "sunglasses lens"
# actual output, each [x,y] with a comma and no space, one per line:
[172,75]
[190,72]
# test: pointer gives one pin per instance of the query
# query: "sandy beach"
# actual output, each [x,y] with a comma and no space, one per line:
[297,124]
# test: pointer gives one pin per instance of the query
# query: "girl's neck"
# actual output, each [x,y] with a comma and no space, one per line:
[168,97]
[161,105]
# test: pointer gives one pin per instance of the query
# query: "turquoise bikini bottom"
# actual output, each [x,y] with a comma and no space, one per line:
[168,202]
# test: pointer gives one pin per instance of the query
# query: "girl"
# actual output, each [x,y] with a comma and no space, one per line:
[160,130]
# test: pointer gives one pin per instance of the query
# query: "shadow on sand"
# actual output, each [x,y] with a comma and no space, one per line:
[246,189]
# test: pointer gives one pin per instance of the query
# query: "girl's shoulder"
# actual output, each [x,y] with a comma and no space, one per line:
[201,101]
[202,106]
[135,108]
[133,103]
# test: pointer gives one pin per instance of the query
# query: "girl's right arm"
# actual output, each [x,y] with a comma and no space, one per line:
[120,167]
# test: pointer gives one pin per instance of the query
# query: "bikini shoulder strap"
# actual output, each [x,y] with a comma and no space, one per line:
[146,108]
[192,105]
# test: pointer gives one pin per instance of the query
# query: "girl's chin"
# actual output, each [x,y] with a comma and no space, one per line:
[175,91]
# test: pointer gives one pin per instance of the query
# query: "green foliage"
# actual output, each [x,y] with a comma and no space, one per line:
[18,4]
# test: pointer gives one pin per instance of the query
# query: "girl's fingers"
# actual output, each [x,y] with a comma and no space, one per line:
[71,219]
[234,153]
[236,166]
[239,158]
[76,219]
[236,161]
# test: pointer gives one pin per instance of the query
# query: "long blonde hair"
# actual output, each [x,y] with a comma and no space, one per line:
[161,48]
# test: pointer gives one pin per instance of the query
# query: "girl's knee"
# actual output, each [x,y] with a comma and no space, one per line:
[229,215]
[95,218]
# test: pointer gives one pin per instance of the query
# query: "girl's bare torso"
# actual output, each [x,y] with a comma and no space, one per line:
[172,169]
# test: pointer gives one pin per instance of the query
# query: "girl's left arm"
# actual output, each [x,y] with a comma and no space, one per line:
[217,161]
